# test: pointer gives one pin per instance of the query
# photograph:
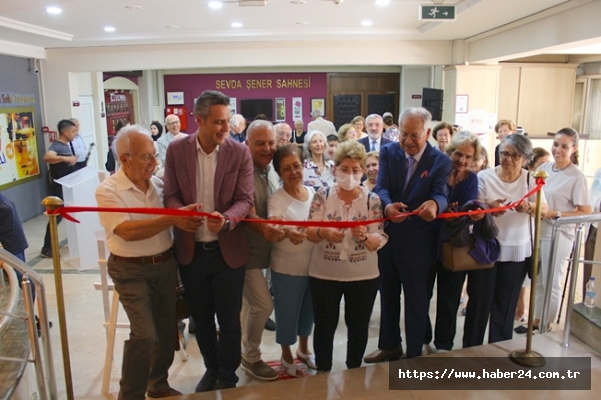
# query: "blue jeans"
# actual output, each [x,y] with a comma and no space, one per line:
[293,307]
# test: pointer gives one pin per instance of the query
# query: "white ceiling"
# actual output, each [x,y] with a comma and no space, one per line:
[82,22]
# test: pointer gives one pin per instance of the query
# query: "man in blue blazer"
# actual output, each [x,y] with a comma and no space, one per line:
[374,140]
[412,177]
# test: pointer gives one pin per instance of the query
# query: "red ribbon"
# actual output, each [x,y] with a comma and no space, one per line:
[65,213]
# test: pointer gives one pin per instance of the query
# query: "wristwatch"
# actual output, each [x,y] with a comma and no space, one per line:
[558,215]
[226,224]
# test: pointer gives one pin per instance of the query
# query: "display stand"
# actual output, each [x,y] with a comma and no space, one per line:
[78,190]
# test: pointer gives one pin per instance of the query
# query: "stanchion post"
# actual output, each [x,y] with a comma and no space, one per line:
[52,203]
[529,358]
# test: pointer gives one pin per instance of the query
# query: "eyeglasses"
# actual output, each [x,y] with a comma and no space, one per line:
[147,158]
[506,155]
[288,169]
[414,137]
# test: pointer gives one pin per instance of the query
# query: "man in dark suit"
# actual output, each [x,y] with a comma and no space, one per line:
[374,140]
[412,177]
[206,168]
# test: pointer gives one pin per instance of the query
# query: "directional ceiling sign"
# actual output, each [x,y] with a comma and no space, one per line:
[437,13]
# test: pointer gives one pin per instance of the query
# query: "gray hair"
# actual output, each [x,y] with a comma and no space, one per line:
[416,113]
[373,116]
[465,138]
[236,120]
[307,152]
[316,113]
[207,99]
[299,120]
[521,144]
[123,140]
[278,127]
[258,124]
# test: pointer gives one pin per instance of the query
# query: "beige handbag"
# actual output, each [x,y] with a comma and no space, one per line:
[457,258]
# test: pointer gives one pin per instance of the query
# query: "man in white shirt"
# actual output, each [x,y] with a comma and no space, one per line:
[320,124]
[173,126]
[374,140]
[142,266]
[79,147]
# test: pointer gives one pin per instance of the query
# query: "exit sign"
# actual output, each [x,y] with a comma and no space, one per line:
[437,13]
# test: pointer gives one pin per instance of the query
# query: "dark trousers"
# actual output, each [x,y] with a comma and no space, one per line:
[55,190]
[449,286]
[147,293]
[359,297]
[212,287]
[412,277]
[21,256]
[493,293]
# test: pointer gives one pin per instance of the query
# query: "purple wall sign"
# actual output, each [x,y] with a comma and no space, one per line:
[252,86]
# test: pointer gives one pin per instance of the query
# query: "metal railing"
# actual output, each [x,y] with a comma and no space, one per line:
[42,360]
[580,222]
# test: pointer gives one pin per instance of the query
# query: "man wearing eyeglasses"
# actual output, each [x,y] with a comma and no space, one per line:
[141,265]
[412,177]
[173,126]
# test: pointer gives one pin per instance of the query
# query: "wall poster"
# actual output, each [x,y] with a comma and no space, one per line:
[280,109]
[18,147]
[297,108]
[318,104]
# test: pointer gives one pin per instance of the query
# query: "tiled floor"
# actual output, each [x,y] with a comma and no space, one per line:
[87,340]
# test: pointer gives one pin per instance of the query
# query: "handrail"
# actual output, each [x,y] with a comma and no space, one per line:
[46,356]
[12,298]
[579,221]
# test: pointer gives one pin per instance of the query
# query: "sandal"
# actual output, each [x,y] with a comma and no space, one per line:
[292,369]
[308,359]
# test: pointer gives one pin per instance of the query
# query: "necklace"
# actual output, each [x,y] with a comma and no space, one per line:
[558,170]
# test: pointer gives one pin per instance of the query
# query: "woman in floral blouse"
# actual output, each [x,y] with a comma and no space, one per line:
[317,168]
[344,261]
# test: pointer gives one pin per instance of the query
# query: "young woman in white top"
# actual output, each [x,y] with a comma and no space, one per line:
[495,291]
[567,194]
[290,259]
[344,261]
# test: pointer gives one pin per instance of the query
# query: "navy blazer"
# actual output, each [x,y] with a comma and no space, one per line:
[428,182]
[366,141]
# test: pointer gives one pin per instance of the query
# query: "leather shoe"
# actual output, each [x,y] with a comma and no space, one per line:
[163,393]
[270,325]
[383,355]
[207,383]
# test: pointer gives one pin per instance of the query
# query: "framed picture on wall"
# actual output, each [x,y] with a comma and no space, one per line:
[318,104]
[175,98]
[233,108]
[280,109]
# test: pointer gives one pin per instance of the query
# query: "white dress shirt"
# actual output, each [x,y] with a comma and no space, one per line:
[205,188]
[119,191]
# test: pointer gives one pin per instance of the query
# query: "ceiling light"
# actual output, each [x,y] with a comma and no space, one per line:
[133,7]
[302,23]
[366,23]
[215,5]
[236,24]
[382,2]
[53,10]
[298,2]
[109,29]
[172,26]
